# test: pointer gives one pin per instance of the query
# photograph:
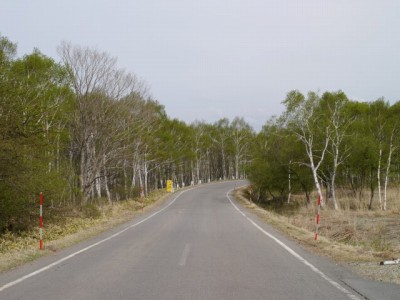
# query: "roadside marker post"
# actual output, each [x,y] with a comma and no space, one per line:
[170,188]
[41,221]
[318,218]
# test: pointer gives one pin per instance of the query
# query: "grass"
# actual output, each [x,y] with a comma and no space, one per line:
[352,235]
[17,249]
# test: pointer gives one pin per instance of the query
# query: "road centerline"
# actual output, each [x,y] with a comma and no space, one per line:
[184,256]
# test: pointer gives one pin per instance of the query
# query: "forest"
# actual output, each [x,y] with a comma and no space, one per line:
[84,131]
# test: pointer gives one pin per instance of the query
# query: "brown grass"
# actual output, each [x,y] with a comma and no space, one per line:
[358,237]
[16,249]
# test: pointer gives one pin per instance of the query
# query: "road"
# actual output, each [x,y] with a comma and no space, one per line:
[200,244]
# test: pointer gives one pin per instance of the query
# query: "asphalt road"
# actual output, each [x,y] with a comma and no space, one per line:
[200,244]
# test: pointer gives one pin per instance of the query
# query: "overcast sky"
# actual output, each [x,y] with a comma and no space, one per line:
[211,59]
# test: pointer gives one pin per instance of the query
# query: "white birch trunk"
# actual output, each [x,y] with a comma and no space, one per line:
[333,176]
[192,170]
[182,179]
[140,179]
[223,164]
[125,179]
[145,177]
[316,181]
[236,166]
[314,168]
[82,176]
[97,176]
[133,183]
[379,176]
[389,161]
[197,171]
[289,184]
[106,180]
[98,185]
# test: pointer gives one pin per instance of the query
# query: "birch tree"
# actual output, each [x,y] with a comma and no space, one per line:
[303,120]
[393,131]
[197,149]
[241,137]
[33,116]
[97,82]
[334,105]
[221,139]
[378,128]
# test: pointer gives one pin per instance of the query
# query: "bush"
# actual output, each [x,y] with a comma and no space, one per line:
[91,211]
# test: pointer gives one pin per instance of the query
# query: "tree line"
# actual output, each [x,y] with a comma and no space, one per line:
[326,143]
[84,130]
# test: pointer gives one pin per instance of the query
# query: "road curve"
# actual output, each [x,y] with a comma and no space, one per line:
[199,245]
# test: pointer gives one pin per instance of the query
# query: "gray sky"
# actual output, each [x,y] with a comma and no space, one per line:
[210,59]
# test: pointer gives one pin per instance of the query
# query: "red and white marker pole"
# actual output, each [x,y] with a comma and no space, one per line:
[318,218]
[41,221]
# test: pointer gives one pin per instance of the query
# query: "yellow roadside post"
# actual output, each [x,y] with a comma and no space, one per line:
[169,186]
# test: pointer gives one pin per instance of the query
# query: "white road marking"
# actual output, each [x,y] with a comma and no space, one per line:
[295,254]
[23,278]
[184,256]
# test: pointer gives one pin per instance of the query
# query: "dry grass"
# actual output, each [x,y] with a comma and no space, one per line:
[16,249]
[358,237]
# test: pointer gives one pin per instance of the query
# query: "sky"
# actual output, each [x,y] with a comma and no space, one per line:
[210,59]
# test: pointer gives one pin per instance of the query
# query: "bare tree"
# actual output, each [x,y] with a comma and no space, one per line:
[98,83]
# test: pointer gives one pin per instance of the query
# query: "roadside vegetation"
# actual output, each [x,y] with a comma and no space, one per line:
[346,153]
[70,227]
[360,238]
[83,130]
[90,136]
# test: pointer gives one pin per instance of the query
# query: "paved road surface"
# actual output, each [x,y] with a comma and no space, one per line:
[200,245]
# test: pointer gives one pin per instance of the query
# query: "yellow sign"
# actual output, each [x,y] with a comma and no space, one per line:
[169,186]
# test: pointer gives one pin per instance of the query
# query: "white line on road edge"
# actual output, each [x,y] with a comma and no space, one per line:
[295,254]
[19,280]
